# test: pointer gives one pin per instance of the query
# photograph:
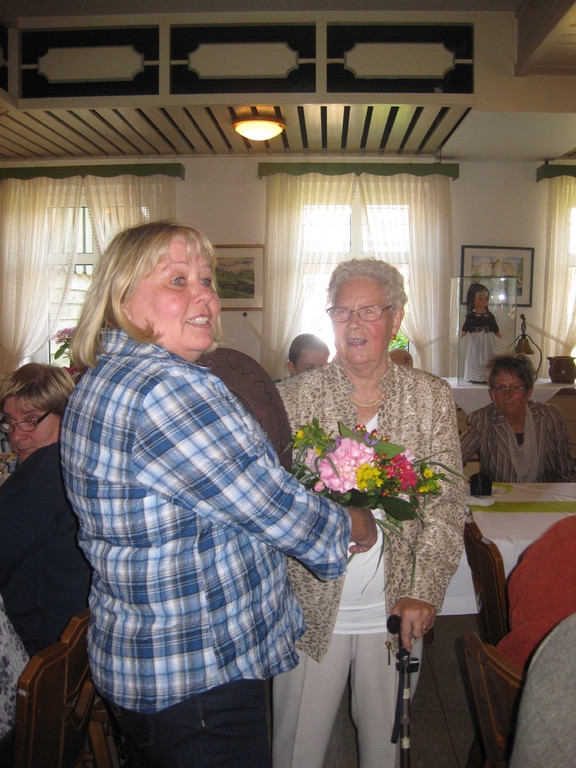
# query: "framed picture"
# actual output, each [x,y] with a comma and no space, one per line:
[500,261]
[240,275]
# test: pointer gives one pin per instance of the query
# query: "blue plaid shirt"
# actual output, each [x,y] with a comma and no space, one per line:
[186,516]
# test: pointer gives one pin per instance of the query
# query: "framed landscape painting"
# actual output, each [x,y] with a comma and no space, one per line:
[240,275]
[501,261]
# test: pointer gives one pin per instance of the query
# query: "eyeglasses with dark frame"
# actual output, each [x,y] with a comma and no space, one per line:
[513,388]
[369,314]
[29,425]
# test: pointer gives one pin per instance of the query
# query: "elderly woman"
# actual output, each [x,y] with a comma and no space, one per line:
[185,513]
[516,439]
[44,577]
[347,618]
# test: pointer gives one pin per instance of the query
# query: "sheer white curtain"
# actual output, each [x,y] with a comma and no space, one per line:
[124,201]
[38,236]
[559,332]
[427,262]
[39,221]
[292,203]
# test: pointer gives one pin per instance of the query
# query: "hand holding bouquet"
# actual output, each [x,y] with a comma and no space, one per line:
[359,468]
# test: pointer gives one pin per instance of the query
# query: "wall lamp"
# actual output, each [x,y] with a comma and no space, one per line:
[259,128]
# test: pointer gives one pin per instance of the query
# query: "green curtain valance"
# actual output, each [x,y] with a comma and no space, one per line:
[66,171]
[548,171]
[377,169]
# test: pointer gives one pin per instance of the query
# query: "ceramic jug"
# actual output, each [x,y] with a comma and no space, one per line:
[562,369]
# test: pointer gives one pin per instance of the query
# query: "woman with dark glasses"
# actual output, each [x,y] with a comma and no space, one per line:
[44,577]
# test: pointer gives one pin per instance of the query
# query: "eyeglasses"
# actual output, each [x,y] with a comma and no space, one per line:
[29,425]
[513,388]
[366,314]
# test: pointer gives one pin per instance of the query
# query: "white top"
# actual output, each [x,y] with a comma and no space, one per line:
[362,608]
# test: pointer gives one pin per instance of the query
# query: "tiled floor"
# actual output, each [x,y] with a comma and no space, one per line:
[441,726]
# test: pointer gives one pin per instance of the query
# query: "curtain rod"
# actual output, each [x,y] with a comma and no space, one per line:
[377,169]
[548,171]
[67,171]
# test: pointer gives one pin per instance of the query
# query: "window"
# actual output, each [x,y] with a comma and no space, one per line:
[79,284]
[340,232]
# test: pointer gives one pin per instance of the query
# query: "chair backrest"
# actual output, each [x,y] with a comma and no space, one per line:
[54,700]
[489,581]
[495,684]
[246,379]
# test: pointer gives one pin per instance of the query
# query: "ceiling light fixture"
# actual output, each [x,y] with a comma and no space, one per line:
[259,128]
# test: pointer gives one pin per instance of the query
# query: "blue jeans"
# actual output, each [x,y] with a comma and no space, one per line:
[224,727]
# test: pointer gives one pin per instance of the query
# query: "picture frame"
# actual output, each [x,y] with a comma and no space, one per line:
[240,276]
[501,261]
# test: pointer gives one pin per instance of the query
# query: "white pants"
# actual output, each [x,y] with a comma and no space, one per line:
[306,700]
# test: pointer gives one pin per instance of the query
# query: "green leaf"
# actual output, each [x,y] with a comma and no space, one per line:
[399,508]
[389,450]
[356,498]
[346,431]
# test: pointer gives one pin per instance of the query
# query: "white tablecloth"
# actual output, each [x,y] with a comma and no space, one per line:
[470,397]
[512,532]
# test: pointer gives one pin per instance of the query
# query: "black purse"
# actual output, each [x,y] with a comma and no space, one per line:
[480,484]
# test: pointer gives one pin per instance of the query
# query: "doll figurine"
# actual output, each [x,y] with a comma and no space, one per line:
[481,324]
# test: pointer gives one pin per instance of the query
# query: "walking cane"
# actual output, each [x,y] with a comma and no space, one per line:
[405,665]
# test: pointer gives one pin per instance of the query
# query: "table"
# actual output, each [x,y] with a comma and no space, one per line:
[521,512]
[470,397]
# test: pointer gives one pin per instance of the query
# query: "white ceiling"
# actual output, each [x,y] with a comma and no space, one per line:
[512,136]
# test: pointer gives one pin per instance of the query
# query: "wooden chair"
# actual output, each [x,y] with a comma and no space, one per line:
[495,685]
[246,379]
[489,581]
[55,697]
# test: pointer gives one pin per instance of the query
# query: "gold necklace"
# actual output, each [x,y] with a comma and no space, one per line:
[358,404]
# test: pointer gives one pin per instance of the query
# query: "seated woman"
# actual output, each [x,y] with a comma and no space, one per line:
[44,577]
[516,439]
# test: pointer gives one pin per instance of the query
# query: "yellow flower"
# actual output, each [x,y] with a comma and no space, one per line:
[368,477]
[428,473]
[300,434]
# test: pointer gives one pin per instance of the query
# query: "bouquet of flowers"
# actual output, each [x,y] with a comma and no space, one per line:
[359,468]
[63,338]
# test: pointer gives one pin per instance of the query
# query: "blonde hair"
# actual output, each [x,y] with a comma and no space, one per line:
[42,386]
[132,254]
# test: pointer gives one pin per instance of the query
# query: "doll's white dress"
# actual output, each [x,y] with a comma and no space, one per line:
[481,344]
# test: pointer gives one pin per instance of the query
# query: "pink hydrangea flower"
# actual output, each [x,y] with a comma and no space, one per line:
[339,474]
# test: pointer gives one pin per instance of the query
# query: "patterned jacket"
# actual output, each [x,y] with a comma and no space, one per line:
[487,437]
[417,412]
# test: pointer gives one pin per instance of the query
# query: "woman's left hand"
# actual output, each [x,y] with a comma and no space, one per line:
[417,617]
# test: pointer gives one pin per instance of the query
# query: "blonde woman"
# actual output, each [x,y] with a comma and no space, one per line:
[185,513]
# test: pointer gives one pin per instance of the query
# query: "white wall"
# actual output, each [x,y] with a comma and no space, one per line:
[502,204]
[225,199]
[492,204]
